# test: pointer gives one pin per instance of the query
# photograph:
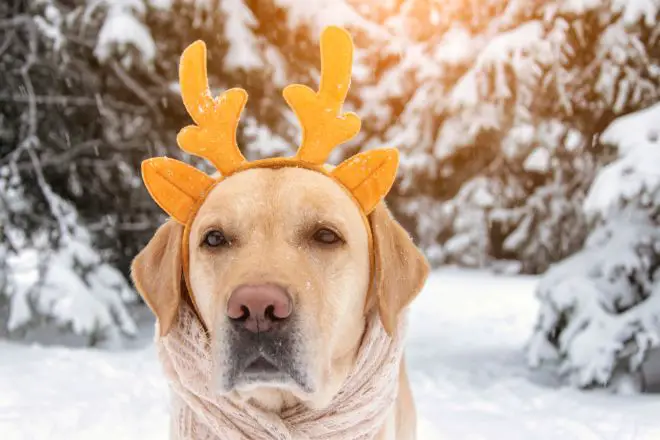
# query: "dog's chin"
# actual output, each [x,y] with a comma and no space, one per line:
[262,373]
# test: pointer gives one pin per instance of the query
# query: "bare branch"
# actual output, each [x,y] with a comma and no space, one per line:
[32,105]
[72,101]
[134,87]
[7,42]
[16,21]
[49,195]
[125,226]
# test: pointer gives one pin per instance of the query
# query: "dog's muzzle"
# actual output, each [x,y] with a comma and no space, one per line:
[262,346]
[271,358]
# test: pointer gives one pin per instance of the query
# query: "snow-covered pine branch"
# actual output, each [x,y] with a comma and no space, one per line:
[600,308]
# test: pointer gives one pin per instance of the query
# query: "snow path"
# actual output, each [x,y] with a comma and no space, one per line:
[465,359]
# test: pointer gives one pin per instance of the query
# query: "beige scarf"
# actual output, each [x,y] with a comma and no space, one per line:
[357,412]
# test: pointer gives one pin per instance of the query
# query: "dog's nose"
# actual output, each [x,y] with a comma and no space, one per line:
[259,308]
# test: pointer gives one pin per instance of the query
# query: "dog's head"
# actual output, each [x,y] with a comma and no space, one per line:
[282,259]
[282,280]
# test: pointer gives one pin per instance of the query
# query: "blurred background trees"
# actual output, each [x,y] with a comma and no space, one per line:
[497,106]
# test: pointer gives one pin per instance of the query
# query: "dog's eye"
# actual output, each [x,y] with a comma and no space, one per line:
[215,239]
[326,236]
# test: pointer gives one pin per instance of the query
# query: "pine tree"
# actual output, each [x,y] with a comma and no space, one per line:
[491,90]
[66,135]
[600,308]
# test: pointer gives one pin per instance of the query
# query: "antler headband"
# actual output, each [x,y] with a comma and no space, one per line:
[179,189]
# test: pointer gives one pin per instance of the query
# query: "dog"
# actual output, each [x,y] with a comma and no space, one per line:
[285,264]
[279,258]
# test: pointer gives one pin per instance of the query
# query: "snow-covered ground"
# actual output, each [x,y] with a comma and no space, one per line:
[466,363]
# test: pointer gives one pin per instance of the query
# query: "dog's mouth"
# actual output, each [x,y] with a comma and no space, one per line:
[264,371]
[272,360]
[260,367]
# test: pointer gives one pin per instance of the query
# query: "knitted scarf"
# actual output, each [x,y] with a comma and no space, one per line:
[357,412]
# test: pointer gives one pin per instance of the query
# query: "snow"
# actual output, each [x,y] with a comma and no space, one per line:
[578,6]
[466,364]
[57,393]
[518,138]
[262,142]
[322,13]
[509,46]
[50,25]
[164,5]
[463,129]
[90,303]
[70,286]
[637,139]
[627,132]
[455,48]
[601,306]
[538,161]
[625,179]
[121,30]
[520,235]
[243,48]
[635,10]
[597,291]
[512,48]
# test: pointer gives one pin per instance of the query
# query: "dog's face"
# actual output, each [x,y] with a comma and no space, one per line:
[288,239]
[280,274]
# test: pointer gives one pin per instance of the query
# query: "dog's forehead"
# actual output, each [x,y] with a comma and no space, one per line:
[290,191]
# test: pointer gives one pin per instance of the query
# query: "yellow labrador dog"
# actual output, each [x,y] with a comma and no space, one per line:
[279,271]
[290,270]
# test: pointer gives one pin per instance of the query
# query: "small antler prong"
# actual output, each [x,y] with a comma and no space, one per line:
[214,135]
[323,125]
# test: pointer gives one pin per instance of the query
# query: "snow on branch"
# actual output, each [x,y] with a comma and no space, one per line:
[635,174]
[69,284]
[600,308]
[243,48]
[124,35]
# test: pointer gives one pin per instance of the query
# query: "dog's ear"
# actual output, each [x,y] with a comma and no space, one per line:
[156,272]
[400,268]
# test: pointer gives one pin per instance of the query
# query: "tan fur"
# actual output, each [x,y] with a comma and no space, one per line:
[270,215]
[156,273]
[401,269]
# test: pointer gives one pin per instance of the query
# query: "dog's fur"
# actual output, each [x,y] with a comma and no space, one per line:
[269,217]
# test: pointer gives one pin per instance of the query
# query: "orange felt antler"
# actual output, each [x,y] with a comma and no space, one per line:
[179,188]
[323,125]
[214,136]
